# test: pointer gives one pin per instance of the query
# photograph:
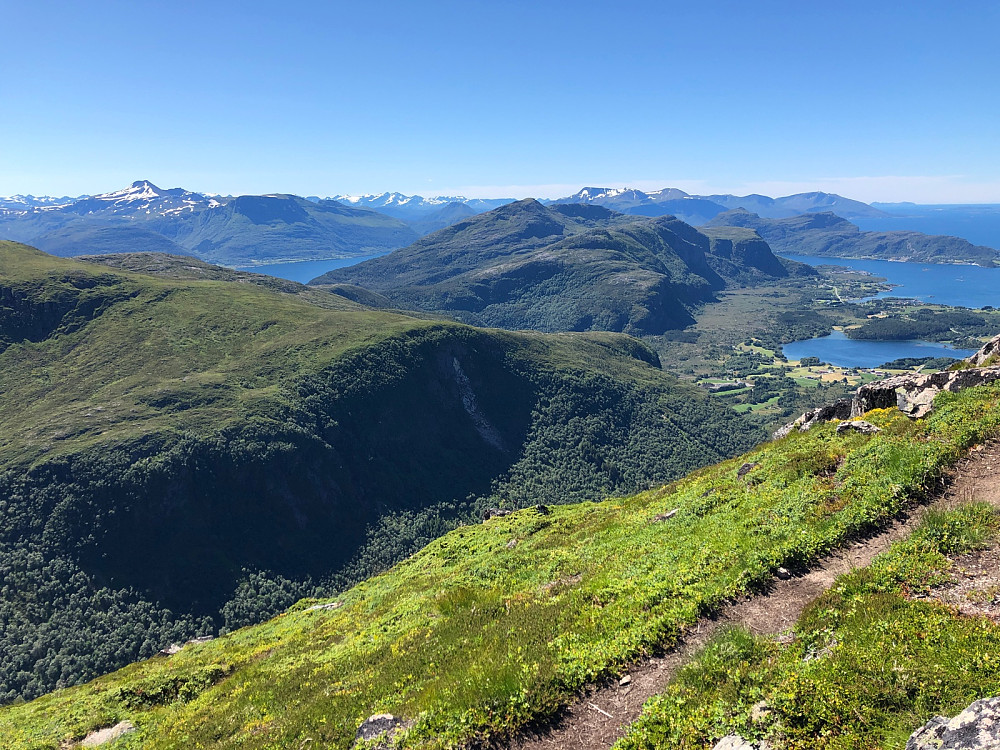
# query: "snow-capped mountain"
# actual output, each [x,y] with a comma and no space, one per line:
[416,206]
[238,230]
[28,202]
[144,199]
[697,209]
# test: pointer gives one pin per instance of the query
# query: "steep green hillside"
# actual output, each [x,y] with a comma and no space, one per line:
[872,659]
[565,268]
[495,625]
[828,235]
[183,454]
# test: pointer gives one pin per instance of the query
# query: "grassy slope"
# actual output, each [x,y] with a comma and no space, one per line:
[222,347]
[495,625]
[868,666]
[163,441]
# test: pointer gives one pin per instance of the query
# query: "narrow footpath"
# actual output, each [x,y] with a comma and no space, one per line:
[603,714]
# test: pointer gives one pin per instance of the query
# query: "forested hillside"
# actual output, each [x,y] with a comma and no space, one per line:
[567,267]
[496,625]
[179,455]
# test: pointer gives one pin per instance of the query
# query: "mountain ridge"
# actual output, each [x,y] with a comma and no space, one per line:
[564,267]
[827,234]
[192,448]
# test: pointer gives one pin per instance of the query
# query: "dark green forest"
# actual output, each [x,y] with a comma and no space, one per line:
[163,485]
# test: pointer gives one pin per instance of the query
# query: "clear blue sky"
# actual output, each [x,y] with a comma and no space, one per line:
[875,100]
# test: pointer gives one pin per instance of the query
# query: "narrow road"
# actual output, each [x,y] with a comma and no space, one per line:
[603,714]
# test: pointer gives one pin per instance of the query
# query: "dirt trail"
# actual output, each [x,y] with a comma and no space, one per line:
[602,715]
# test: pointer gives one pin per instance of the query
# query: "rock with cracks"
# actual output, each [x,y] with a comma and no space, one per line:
[987,354]
[839,410]
[976,728]
[858,425]
[108,735]
[379,726]
[914,394]
[733,742]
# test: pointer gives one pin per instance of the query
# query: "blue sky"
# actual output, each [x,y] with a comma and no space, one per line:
[875,100]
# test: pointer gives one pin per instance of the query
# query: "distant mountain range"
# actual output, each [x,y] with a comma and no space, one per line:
[692,209]
[699,209]
[241,230]
[828,235]
[567,267]
[251,230]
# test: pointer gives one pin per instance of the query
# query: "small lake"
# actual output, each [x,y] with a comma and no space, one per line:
[939,283]
[841,351]
[306,270]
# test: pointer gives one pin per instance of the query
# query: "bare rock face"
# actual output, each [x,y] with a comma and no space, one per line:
[976,728]
[914,394]
[858,425]
[980,358]
[733,742]
[108,735]
[841,409]
[379,726]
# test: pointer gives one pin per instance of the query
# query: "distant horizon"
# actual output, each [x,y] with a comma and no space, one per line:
[544,192]
[871,101]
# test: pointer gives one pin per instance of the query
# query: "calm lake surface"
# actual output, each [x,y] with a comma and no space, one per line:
[839,350]
[306,270]
[941,283]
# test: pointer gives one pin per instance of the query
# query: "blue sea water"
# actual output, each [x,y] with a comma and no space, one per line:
[306,270]
[841,351]
[979,224]
[940,283]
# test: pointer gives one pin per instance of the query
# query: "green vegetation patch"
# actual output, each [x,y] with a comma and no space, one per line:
[496,625]
[869,664]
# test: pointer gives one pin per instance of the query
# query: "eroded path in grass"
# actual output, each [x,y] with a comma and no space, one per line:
[602,715]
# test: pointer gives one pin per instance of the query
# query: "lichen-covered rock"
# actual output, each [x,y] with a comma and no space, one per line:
[858,425]
[914,394]
[733,742]
[108,735]
[988,353]
[976,728]
[378,726]
[841,409]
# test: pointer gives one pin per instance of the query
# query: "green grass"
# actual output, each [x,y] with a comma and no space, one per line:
[496,625]
[868,667]
[163,347]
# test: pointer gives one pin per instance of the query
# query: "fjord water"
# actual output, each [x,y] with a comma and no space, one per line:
[940,283]
[304,271]
[979,224]
[937,283]
[837,349]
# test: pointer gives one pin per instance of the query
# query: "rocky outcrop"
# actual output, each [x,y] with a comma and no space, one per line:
[976,728]
[108,735]
[381,727]
[733,742]
[914,394]
[987,355]
[841,409]
[858,425]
